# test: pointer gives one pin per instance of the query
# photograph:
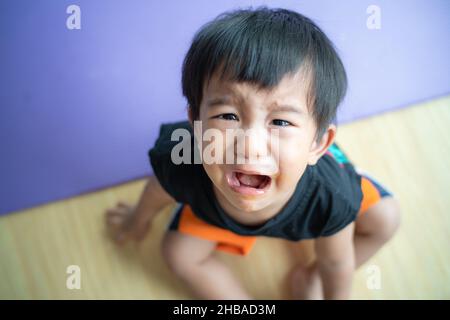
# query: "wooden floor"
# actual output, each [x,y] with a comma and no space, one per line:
[408,150]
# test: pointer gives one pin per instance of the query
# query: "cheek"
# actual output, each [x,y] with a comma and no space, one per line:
[291,151]
[292,162]
[214,173]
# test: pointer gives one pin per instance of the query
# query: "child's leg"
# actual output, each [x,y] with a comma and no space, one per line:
[375,227]
[193,261]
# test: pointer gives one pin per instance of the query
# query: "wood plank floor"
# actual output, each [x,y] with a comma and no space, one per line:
[408,150]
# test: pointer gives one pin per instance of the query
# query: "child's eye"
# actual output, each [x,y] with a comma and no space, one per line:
[281,123]
[227,116]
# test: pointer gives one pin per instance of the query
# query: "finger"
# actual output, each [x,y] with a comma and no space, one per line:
[111,211]
[116,212]
[115,220]
[115,226]
[123,204]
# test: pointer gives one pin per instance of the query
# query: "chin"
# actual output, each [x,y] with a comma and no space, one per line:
[247,204]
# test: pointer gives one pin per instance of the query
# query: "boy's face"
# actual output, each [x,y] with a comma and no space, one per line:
[277,149]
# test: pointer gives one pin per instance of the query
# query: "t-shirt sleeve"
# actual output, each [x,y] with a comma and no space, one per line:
[342,193]
[176,179]
[341,214]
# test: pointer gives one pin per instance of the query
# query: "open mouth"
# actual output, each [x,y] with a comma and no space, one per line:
[248,184]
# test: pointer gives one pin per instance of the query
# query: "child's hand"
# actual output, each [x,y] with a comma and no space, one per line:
[124,223]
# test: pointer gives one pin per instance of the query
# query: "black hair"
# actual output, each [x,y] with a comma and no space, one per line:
[261,46]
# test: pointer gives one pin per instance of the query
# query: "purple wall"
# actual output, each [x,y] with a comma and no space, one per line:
[80,108]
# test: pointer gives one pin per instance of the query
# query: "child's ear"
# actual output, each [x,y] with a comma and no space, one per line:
[318,148]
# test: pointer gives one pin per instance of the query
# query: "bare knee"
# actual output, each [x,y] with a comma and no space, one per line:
[182,253]
[391,218]
[169,254]
[380,221]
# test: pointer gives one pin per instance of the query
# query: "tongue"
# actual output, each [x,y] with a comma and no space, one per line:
[250,180]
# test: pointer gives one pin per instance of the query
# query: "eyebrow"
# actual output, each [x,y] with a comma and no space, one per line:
[287,108]
[214,102]
[219,101]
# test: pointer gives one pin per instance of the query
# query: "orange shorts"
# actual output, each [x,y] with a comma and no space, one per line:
[185,221]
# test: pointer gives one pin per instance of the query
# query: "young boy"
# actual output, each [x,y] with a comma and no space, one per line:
[274,75]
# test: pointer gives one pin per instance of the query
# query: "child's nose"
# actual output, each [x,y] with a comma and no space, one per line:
[253,144]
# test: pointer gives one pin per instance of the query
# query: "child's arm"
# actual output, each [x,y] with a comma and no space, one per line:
[126,221]
[336,263]
[153,199]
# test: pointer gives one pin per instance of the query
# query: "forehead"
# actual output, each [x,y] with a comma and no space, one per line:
[292,89]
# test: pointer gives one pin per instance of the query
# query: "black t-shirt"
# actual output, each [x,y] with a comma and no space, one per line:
[327,197]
